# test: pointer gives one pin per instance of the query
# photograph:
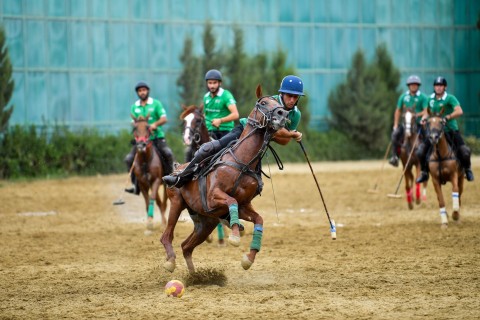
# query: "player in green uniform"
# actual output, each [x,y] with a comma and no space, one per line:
[144,106]
[290,91]
[414,100]
[219,106]
[452,110]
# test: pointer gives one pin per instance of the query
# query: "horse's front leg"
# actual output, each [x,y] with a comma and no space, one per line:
[177,204]
[220,198]
[455,196]
[249,214]
[441,202]
[408,187]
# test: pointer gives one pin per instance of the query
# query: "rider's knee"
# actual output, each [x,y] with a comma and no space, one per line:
[208,149]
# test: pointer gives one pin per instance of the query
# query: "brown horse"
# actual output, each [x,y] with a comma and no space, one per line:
[148,170]
[227,188]
[410,159]
[444,167]
[195,132]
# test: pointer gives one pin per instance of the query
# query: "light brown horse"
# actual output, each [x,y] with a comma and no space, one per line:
[195,132]
[148,170]
[227,188]
[444,167]
[409,159]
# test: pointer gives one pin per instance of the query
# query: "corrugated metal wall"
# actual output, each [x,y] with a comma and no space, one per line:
[77,61]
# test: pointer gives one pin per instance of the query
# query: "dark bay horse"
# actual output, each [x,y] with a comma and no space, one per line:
[195,132]
[227,188]
[444,167]
[410,159]
[148,170]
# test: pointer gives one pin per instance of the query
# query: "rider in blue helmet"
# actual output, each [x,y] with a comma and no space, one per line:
[291,89]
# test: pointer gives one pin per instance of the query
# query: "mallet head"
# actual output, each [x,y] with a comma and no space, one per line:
[333,230]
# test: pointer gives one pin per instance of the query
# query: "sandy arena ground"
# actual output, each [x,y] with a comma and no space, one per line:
[67,252]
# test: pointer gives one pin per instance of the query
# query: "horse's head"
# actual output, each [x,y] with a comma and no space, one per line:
[268,113]
[141,132]
[193,125]
[409,124]
[435,126]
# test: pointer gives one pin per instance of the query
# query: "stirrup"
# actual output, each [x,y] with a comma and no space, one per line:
[132,189]
[423,177]
[171,180]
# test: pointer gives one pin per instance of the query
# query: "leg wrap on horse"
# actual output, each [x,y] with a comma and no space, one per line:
[257,237]
[220,232]
[151,207]
[233,209]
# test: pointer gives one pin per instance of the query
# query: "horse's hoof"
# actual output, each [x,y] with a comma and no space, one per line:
[169,266]
[209,238]
[444,226]
[455,215]
[246,263]
[148,232]
[418,201]
[410,205]
[234,240]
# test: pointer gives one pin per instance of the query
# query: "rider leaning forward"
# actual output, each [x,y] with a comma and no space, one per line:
[291,88]
[439,100]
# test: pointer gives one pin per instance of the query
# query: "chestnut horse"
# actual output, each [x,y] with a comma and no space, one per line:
[444,167]
[195,132]
[148,170]
[410,159]
[226,189]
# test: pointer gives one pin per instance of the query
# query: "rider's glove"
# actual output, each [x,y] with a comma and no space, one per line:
[444,121]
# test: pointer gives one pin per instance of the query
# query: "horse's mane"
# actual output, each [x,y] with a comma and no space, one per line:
[187,110]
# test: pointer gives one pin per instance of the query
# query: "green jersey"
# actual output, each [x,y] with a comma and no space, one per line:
[155,109]
[294,116]
[448,102]
[217,107]
[416,102]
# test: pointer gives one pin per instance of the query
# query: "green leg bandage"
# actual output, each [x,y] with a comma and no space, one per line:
[151,207]
[220,232]
[257,237]
[233,215]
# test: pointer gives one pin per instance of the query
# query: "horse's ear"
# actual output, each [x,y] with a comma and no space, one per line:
[184,107]
[442,111]
[429,111]
[259,91]
[147,117]
[133,118]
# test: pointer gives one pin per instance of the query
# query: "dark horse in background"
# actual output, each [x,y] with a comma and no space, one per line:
[195,132]
[409,159]
[228,186]
[444,167]
[148,170]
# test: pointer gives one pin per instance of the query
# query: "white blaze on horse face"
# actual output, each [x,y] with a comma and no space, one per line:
[408,123]
[188,123]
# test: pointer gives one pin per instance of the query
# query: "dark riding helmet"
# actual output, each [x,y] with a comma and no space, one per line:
[292,85]
[213,75]
[440,81]
[413,79]
[141,84]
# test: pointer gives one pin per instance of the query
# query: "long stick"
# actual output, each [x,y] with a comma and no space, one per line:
[374,190]
[120,201]
[333,230]
[405,168]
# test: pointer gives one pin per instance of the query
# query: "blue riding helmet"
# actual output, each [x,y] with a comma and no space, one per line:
[292,85]
[142,84]
[213,75]
[440,81]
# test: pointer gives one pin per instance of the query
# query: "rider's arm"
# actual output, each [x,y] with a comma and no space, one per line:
[396,118]
[457,112]
[231,117]
[159,122]
[283,136]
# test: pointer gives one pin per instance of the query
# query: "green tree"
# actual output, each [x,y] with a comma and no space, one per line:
[190,82]
[212,59]
[6,83]
[358,106]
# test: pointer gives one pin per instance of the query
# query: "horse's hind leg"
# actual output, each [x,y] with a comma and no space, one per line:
[203,226]
[408,188]
[248,213]
[176,207]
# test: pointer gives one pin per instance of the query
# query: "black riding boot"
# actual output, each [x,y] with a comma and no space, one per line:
[179,179]
[464,156]
[422,157]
